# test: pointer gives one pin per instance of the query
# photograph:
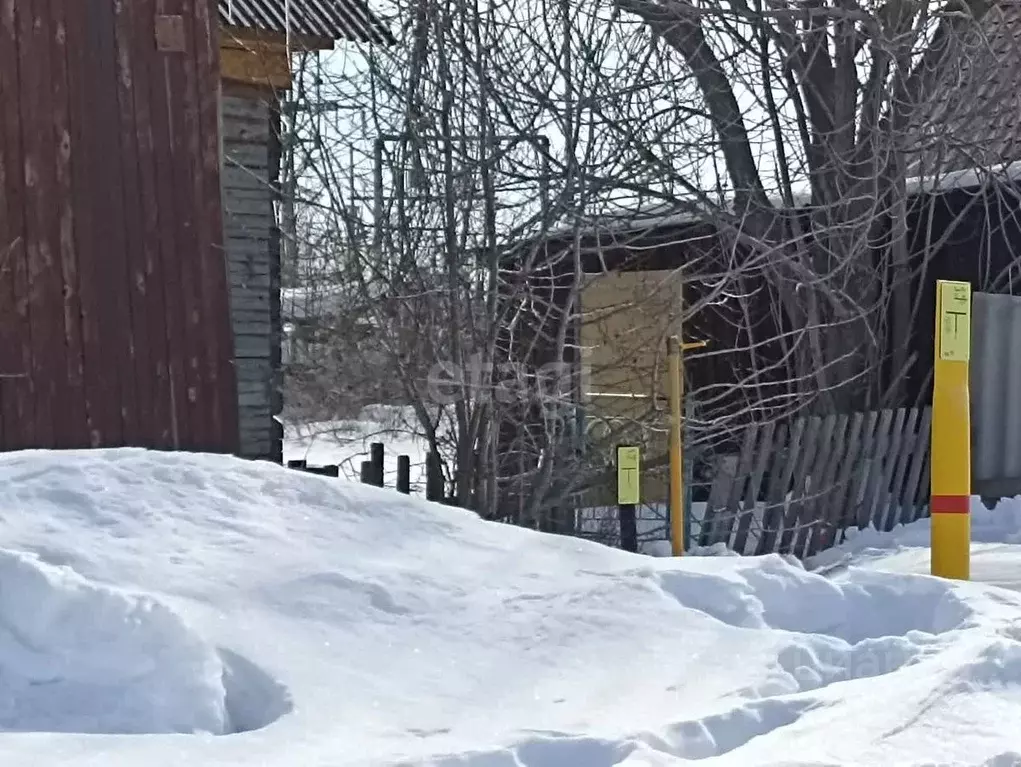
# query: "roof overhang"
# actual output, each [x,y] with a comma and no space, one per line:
[323,20]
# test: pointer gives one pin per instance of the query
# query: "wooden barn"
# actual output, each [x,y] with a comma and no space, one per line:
[138,297]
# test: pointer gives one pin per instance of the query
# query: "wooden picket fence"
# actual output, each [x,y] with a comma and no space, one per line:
[794,488]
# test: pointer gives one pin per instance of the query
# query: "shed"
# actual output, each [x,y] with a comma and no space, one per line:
[122,323]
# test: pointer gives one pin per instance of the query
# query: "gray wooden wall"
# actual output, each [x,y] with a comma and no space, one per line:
[252,241]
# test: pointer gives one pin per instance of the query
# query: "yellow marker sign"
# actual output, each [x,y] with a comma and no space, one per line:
[628,473]
[954,321]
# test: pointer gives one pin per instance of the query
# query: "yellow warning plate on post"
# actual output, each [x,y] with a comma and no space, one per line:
[628,474]
[954,321]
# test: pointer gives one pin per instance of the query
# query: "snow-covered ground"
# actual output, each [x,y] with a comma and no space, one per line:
[171,609]
[347,443]
[995,549]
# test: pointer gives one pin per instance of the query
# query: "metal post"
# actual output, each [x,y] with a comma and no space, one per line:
[950,498]
[628,494]
[678,521]
[689,416]
[676,447]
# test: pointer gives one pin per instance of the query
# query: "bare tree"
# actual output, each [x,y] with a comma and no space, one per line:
[837,90]
[471,189]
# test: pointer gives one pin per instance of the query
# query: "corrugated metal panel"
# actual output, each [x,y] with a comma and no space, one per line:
[996,395]
[330,19]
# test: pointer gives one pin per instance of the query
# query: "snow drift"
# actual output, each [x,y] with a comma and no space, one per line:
[995,547]
[79,657]
[360,627]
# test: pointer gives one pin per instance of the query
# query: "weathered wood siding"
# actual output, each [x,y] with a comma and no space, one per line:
[795,488]
[114,324]
[250,172]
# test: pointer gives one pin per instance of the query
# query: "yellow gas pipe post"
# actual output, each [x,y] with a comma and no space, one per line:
[675,349]
[949,503]
[673,346]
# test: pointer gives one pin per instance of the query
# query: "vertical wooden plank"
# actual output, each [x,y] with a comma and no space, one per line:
[109,357]
[140,429]
[48,360]
[859,477]
[11,383]
[772,519]
[149,281]
[835,516]
[887,461]
[75,425]
[751,500]
[213,266]
[774,466]
[893,450]
[924,487]
[182,116]
[92,298]
[6,297]
[900,459]
[204,337]
[719,491]
[818,508]
[725,525]
[806,520]
[874,469]
[161,102]
[816,442]
[919,460]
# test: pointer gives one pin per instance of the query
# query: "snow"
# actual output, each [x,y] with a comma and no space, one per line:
[346,443]
[323,623]
[995,549]
[76,656]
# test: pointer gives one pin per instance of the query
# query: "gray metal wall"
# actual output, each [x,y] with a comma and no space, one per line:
[252,242]
[996,395]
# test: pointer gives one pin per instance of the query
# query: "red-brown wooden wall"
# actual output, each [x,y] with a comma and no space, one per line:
[114,318]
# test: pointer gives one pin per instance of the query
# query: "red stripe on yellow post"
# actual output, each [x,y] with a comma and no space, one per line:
[950,504]
[951,433]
